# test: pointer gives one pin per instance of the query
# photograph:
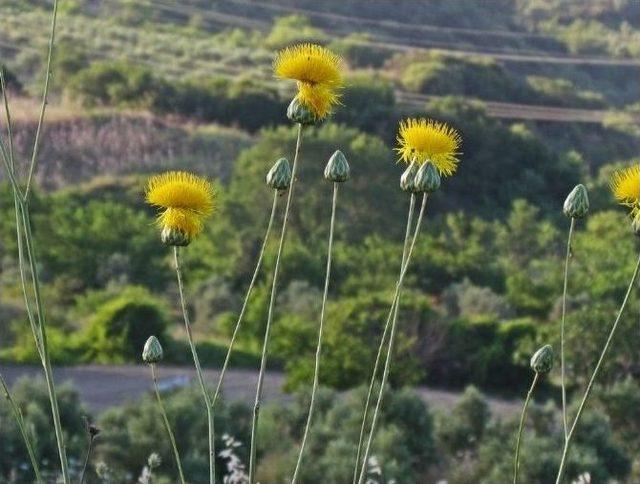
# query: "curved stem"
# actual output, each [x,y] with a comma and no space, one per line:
[274,284]
[167,425]
[564,313]
[45,94]
[596,371]
[521,427]
[196,362]
[387,363]
[246,299]
[316,373]
[23,431]
[376,365]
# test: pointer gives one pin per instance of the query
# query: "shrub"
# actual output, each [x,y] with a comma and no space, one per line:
[122,323]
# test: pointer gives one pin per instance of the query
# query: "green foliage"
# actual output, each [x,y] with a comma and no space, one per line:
[293,29]
[371,103]
[32,398]
[437,74]
[121,323]
[357,53]
[132,432]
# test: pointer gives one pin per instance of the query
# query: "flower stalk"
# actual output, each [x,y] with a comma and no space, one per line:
[167,425]
[562,325]
[596,371]
[196,362]
[387,364]
[256,271]
[376,365]
[17,414]
[523,417]
[274,284]
[337,171]
[23,229]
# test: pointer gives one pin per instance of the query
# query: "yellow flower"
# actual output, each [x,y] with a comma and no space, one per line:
[310,64]
[625,185]
[318,72]
[319,98]
[187,200]
[428,140]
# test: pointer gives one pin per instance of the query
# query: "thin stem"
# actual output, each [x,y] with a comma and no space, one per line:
[376,365]
[520,428]
[596,371]
[23,280]
[274,284]
[316,373]
[246,298]
[5,98]
[46,359]
[196,362]
[86,459]
[387,363]
[45,94]
[23,430]
[167,425]
[564,313]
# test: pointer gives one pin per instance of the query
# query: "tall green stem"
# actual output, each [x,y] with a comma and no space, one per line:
[521,427]
[596,371]
[45,100]
[246,298]
[46,360]
[387,363]
[376,365]
[316,373]
[23,430]
[167,425]
[274,285]
[196,362]
[564,313]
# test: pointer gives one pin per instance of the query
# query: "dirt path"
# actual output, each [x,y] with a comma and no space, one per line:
[104,386]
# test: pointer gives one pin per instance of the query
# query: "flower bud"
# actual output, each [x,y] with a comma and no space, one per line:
[407,180]
[152,352]
[298,112]
[337,169]
[577,203]
[542,360]
[279,176]
[427,178]
[174,237]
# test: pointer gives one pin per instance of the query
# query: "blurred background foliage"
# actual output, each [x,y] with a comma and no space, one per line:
[141,87]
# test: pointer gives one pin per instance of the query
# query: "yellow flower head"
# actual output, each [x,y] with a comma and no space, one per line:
[319,98]
[309,64]
[428,140]
[318,72]
[625,185]
[187,200]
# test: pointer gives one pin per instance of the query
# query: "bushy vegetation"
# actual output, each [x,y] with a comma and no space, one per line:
[416,443]
[484,287]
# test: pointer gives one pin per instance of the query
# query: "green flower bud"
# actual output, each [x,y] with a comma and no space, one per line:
[298,112]
[407,180]
[542,360]
[174,237]
[427,178]
[152,352]
[279,176]
[337,169]
[577,203]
